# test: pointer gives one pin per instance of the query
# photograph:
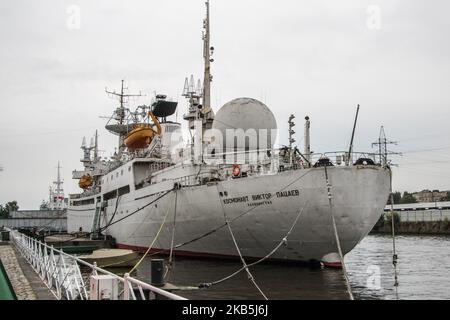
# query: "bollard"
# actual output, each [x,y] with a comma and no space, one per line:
[5,236]
[157,275]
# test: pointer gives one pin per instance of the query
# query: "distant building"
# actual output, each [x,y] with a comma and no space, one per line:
[421,212]
[430,196]
[55,220]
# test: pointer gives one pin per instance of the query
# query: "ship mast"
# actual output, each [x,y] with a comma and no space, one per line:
[58,181]
[207,51]
[96,147]
[207,112]
[120,115]
[200,111]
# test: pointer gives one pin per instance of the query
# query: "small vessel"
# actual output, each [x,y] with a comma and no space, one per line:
[86,182]
[142,135]
[112,258]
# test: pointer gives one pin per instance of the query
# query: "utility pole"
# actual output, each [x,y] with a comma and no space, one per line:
[383,151]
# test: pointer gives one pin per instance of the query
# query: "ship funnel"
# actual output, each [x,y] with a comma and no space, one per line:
[83,144]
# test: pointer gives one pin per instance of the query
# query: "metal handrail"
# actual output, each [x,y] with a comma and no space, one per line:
[29,247]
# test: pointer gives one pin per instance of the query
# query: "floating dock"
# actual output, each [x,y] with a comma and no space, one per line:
[112,258]
[76,244]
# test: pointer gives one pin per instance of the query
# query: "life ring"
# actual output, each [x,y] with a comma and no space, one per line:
[236,170]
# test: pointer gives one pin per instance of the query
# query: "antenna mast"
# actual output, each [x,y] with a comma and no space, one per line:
[350,150]
[291,137]
[120,113]
[58,181]
[96,147]
[207,52]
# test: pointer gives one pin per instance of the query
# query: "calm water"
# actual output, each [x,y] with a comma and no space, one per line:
[423,273]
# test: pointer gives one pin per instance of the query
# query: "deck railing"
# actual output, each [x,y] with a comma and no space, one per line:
[61,273]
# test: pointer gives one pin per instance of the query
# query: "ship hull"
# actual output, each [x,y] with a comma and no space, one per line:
[261,210]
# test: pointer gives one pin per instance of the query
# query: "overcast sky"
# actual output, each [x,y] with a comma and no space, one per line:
[316,58]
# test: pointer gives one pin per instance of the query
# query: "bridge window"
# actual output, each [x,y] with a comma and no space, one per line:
[110,195]
[83,202]
[124,190]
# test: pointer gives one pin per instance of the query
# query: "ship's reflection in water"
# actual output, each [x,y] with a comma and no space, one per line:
[422,272]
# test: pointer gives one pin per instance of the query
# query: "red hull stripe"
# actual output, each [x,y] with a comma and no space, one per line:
[336,265]
[182,253]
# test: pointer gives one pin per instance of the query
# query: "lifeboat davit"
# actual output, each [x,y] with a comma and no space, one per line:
[86,182]
[142,135]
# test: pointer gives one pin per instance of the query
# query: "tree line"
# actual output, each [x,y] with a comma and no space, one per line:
[6,209]
[407,198]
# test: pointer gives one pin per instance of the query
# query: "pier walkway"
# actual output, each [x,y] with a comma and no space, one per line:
[25,282]
[60,273]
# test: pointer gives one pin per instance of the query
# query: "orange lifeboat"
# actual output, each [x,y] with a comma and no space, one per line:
[142,135]
[86,182]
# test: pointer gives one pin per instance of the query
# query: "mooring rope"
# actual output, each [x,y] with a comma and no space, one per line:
[114,213]
[170,264]
[249,274]
[119,220]
[336,235]
[136,211]
[394,252]
[153,242]
[232,220]
[282,242]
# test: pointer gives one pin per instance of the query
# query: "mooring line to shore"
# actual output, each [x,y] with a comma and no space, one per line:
[394,249]
[153,242]
[171,255]
[336,235]
[282,242]
[244,263]
[232,220]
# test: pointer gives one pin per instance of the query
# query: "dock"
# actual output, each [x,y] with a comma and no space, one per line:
[38,271]
[77,243]
[25,283]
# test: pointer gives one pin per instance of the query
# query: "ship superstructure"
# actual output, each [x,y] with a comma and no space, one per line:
[182,198]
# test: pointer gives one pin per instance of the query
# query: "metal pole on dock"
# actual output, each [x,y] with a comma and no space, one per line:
[157,274]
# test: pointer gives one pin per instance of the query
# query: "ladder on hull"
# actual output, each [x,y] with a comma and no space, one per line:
[95,229]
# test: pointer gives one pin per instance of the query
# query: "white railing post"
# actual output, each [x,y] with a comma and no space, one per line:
[126,287]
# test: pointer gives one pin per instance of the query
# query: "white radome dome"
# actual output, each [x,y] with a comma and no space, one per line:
[246,114]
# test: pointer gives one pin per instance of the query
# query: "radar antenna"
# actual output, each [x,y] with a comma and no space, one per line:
[120,114]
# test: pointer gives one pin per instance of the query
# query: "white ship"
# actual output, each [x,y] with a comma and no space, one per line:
[219,198]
